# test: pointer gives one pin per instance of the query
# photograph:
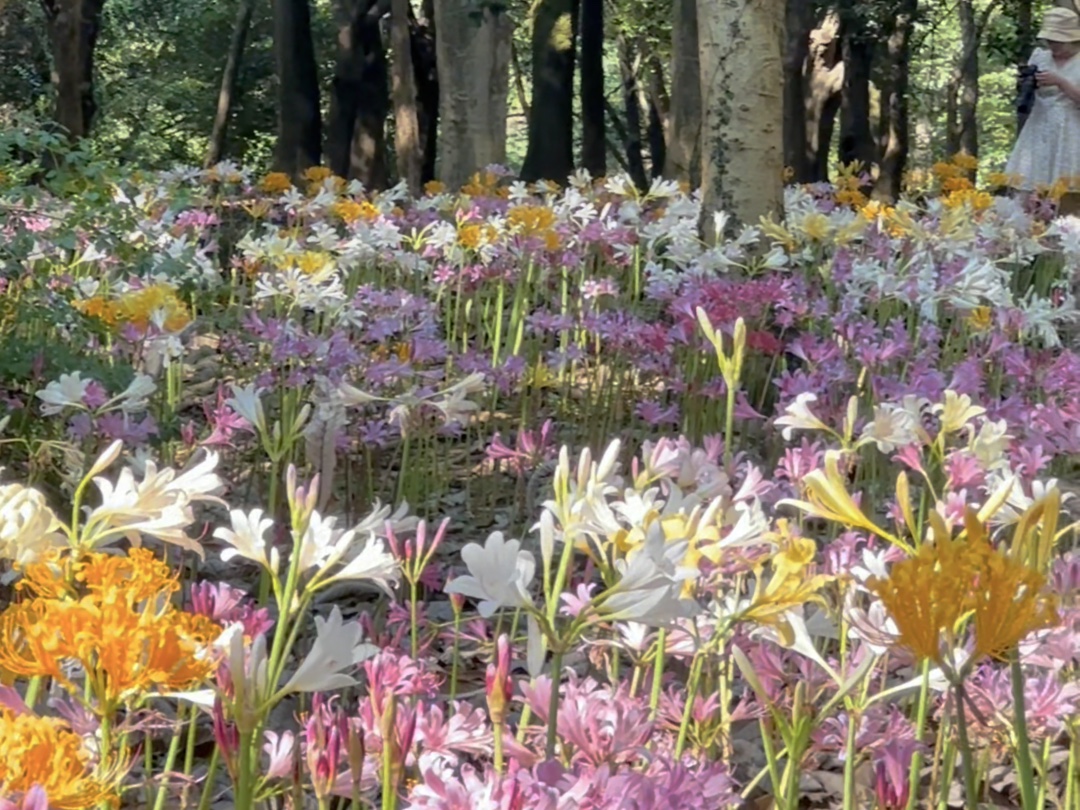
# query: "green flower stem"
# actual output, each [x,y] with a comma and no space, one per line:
[553,705]
[170,756]
[688,708]
[658,672]
[1025,773]
[208,782]
[920,725]
[971,800]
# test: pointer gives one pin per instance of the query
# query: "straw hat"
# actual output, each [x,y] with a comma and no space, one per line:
[1060,25]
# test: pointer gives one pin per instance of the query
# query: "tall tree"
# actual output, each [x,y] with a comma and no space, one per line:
[962,104]
[229,80]
[799,26]
[73,27]
[299,142]
[550,152]
[359,95]
[473,60]
[742,77]
[593,140]
[628,69]
[895,136]
[824,83]
[683,160]
[857,42]
[407,146]
[427,86]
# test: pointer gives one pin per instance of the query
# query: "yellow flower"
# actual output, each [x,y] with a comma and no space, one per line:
[310,262]
[929,594]
[316,174]
[475,235]
[981,319]
[827,498]
[815,226]
[158,302]
[434,187]
[943,170]
[124,630]
[45,752]
[482,184]
[788,587]
[350,211]
[956,411]
[968,163]
[275,183]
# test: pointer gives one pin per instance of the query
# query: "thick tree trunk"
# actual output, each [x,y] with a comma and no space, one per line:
[683,160]
[742,90]
[593,143]
[427,87]
[474,89]
[299,143]
[359,96]
[550,153]
[856,137]
[895,133]
[229,79]
[799,24]
[632,112]
[825,80]
[403,94]
[73,27]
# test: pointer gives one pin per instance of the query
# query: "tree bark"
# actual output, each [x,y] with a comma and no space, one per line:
[825,80]
[683,160]
[966,138]
[427,87]
[593,143]
[857,143]
[403,94]
[550,153]
[229,79]
[895,135]
[800,25]
[299,143]
[742,79]
[73,27]
[359,96]
[632,111]
[474,88]
[658,103]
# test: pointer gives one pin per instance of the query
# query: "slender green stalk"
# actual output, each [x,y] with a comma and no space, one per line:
[553,705]
[208,782]
[1025,773]
[245,773]
[849,763]
[688,709]
[971,799]
[658,672]
[454,651]
[170,758]
[498,736]
[920,725]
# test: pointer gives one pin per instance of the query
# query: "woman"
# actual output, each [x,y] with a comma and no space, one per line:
[1048,148]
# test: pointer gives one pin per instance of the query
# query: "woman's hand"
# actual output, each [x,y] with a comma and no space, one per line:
[1044,78]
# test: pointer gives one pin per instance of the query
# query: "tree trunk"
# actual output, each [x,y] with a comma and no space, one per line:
[359,96]
[895,134]
[403,95]
[427,87]
[550,153]
[967,103]
[632,110]
[299,143]
[683,160]
[474,88]
[856,137]
[73,27]
[658,103]
[742,78]
[593,143]
[229,79]
[800,25]
[825,80]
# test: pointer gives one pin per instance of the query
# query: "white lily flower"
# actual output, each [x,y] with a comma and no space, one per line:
[499,574]
[247,538]
[246,402]
[67,392]
[338,647]
[373,563]
[28,527]
[797,416]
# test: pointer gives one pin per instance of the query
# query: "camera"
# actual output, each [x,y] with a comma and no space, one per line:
[1026,87]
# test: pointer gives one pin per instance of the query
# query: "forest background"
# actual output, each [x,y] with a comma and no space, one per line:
[897,84]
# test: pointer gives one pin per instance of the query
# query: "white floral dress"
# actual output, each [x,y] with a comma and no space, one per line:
[1048,147]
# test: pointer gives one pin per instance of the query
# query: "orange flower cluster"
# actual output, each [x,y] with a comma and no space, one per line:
[43,751]
[350,211]
[929,594]
[485,184]
[112,615]
[275,183]
[475,235]
[139,307]
[536,221]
